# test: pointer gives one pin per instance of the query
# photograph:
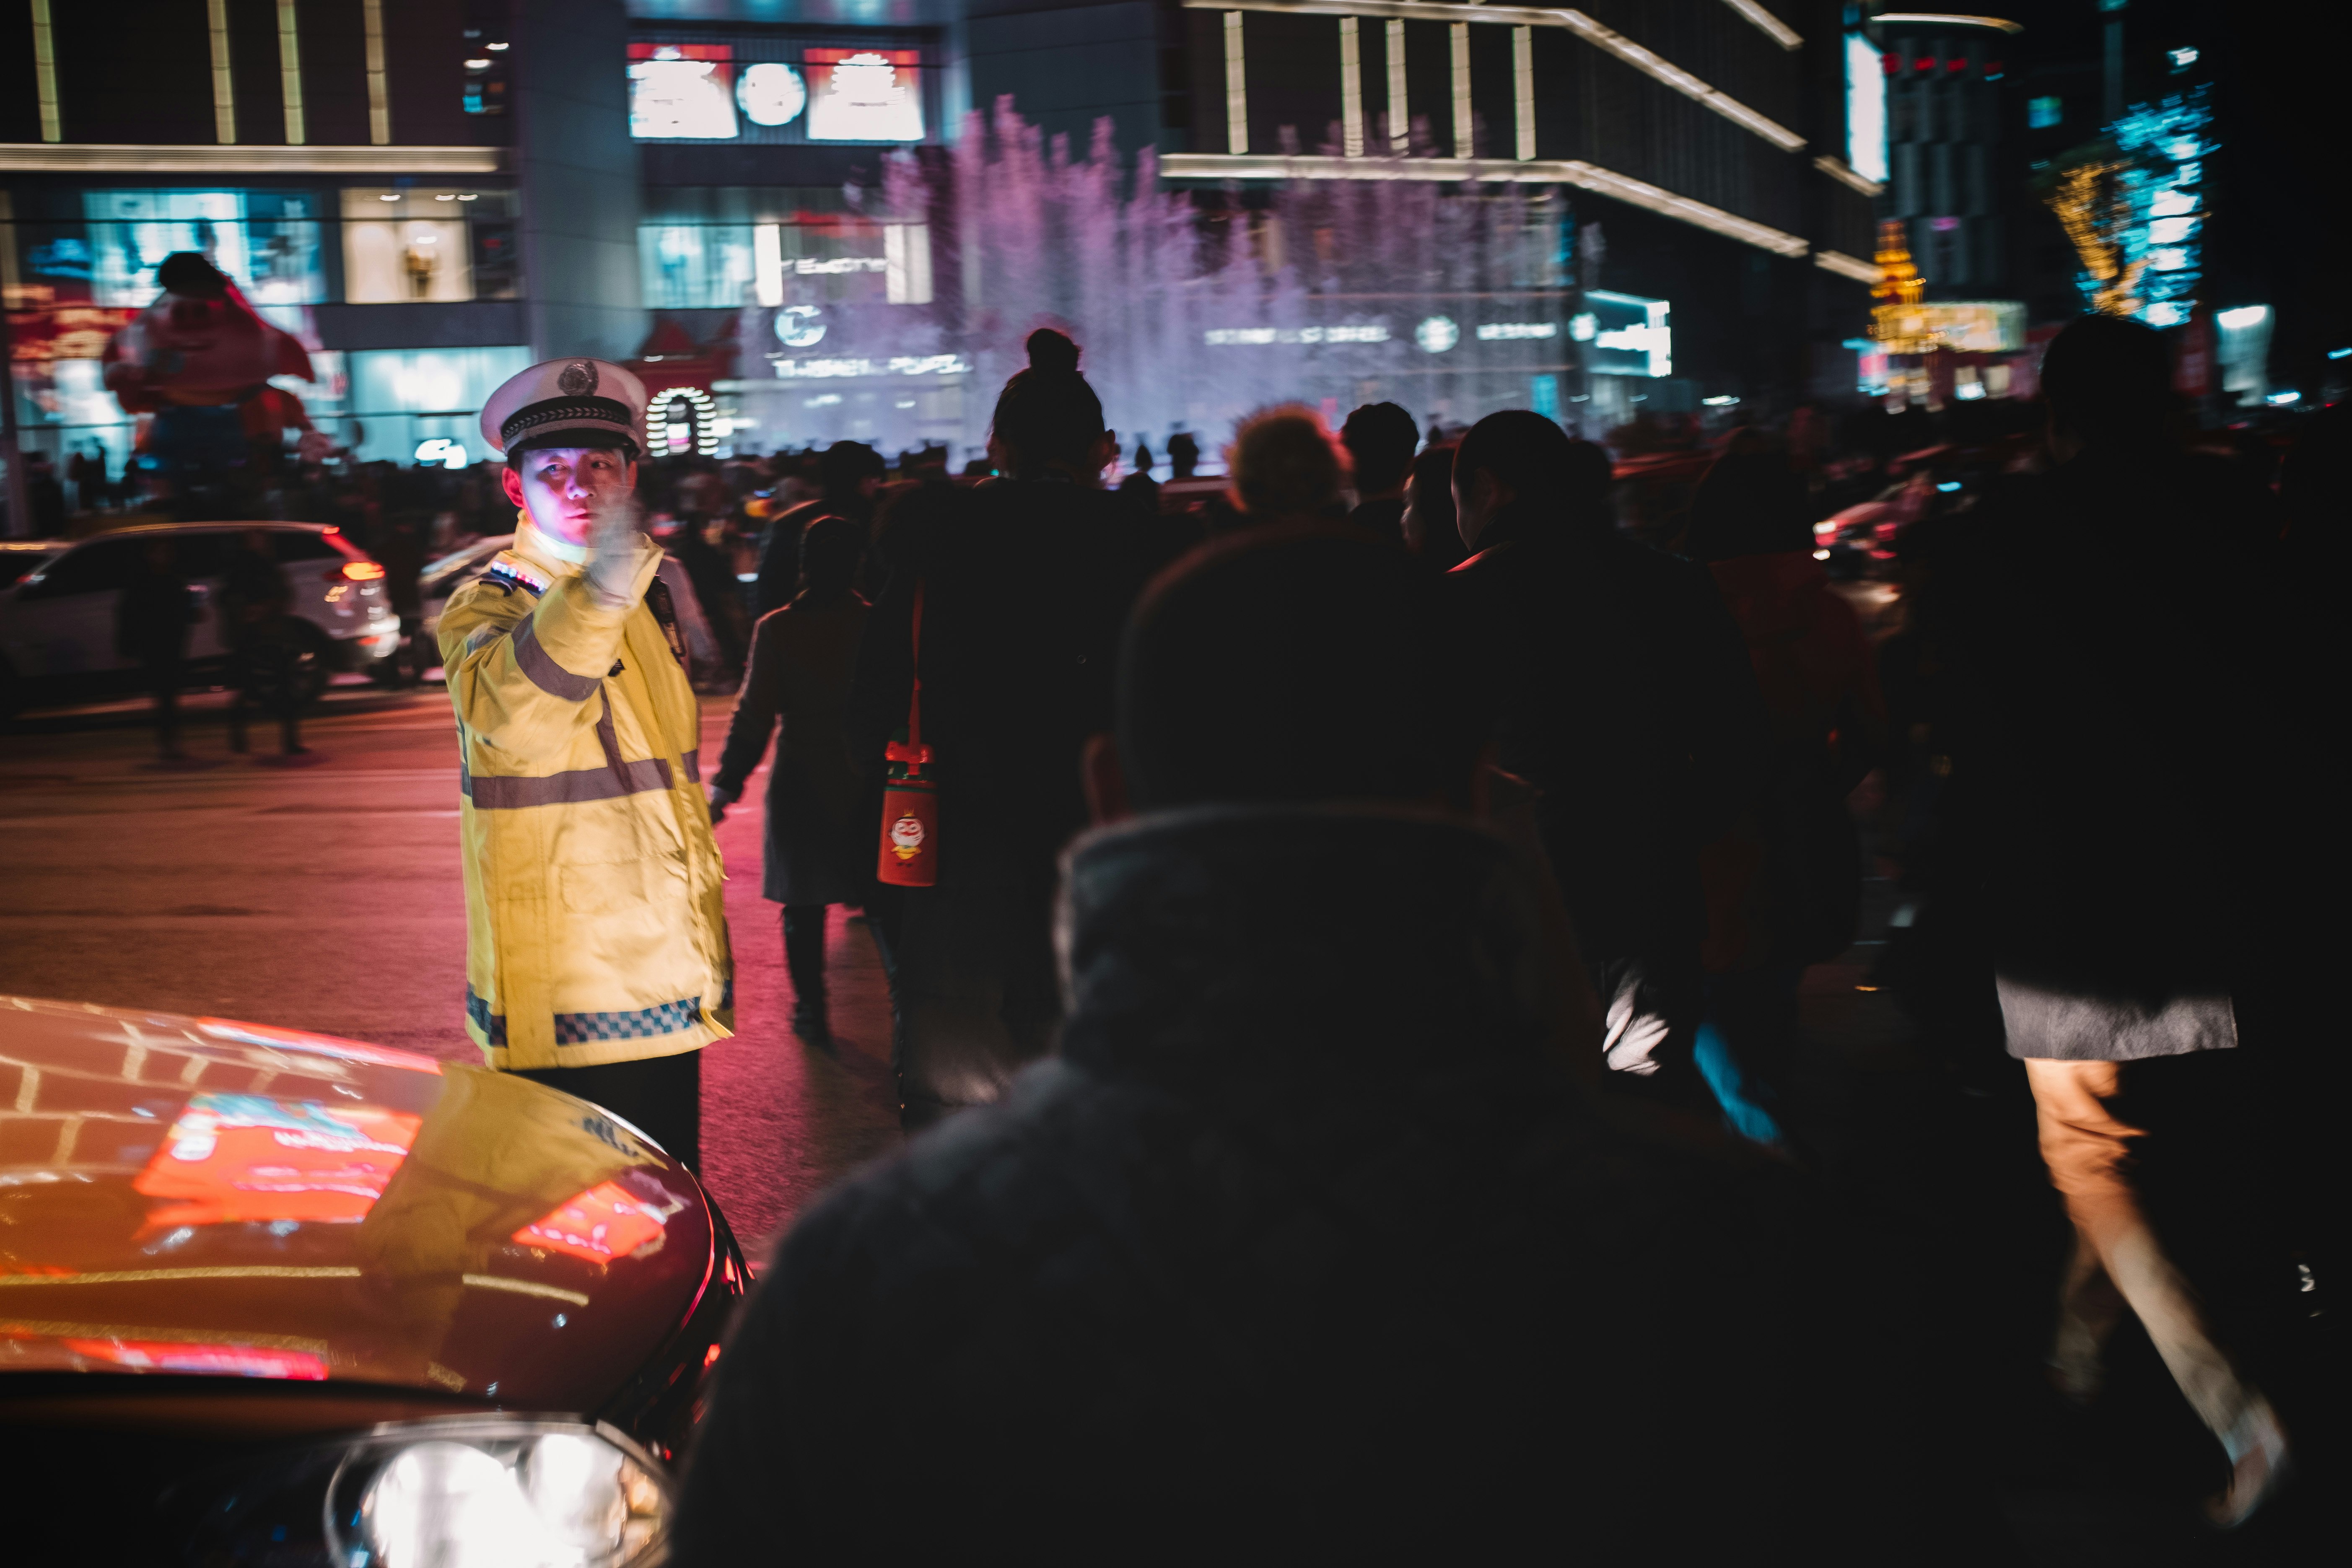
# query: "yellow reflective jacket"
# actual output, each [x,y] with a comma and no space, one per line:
[594,924]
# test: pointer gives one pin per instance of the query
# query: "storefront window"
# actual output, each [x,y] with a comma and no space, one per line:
[398,399]
[266,241]
[730,247]
[418,244]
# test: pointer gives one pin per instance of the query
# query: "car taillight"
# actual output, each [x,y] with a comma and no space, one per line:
[356,572]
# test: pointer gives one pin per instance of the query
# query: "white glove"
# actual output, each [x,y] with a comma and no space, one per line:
[615,543]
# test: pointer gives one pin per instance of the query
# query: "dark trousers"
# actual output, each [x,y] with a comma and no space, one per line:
[161,676]
[804,958]
[660,1096]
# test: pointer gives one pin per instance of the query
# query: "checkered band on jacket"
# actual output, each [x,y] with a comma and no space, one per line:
[574,1028]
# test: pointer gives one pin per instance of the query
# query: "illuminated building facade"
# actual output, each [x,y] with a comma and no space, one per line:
[433,193]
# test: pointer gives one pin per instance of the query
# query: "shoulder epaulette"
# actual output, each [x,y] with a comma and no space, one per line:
[510,572]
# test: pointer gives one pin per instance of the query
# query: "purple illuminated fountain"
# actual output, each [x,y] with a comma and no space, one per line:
[1194,308]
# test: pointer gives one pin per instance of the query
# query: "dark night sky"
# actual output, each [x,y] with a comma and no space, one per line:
[2279,115]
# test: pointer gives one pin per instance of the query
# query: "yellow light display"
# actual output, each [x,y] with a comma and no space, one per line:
[2095,210]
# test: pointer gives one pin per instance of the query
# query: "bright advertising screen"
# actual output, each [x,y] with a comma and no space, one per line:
[681,91]
[1865,109]
[865,95]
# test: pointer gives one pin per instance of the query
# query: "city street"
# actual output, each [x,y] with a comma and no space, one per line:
[323,894]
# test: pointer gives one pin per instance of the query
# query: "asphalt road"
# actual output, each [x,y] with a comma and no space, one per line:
[323,892]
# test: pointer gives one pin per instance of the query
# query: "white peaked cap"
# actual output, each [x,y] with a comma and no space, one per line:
[593,396]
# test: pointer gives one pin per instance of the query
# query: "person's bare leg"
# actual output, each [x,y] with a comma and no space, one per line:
[2086,1145]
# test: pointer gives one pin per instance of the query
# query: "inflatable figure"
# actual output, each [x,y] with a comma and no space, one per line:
[200,358]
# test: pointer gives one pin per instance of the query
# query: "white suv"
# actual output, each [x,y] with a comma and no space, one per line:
[57,600]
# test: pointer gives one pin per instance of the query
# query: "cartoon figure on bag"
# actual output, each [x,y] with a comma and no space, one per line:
[907,837]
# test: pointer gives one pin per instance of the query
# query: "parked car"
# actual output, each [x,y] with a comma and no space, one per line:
[275,1297]
[453,571]
[57,607]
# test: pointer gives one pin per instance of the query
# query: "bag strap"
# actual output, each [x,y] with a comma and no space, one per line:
[912,751]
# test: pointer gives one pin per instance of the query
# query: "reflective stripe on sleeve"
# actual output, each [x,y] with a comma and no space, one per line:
[546,674]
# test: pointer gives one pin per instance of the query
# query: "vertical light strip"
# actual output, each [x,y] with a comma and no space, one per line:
[1462,91]
[1523,85]
[1352,88]
[45,71]
[224,88]
[768,263]
[289,72]
[379,93]
[1400,121]
[1237,88]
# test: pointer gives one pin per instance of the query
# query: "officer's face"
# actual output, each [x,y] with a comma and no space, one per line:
[559,486]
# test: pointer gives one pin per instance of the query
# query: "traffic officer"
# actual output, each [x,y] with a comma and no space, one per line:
[596,954]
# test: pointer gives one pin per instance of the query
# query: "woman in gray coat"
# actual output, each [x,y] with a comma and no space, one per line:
[820,833]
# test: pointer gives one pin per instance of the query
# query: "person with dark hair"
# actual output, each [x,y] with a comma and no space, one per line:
[818,845]
[1380,439]
[1626,697]
[2133,780]
[1427,523]
[849,477]
[1307,1237]
[1183,455]
[1021,583]
[409,500]
[1799,889]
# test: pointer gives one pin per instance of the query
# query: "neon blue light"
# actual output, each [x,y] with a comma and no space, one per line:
[2164,145]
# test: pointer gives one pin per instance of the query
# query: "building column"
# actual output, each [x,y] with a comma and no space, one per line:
[577,171]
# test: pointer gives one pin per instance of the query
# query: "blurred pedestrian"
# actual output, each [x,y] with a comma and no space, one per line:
[1428,522]
[1380,439]
[45,498]
[411,500]
[850,476]
[1023,583]
[1307,1238]
[1183,455]
[819,843]
[2135,781]
[151,620]
[1285,468]
[1797,898]
[1626,697]
[267,644]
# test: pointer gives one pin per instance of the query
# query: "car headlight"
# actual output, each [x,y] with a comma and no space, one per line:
[476,1491]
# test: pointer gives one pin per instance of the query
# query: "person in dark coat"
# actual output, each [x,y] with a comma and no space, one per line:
[2134,779]
[1796,898]
[410,502]
[151,620]
[1427,523]
[819,846]
[1307,1245]
[1380,439]
[1626,697]
[1024,583]
[266,641]
[849,478]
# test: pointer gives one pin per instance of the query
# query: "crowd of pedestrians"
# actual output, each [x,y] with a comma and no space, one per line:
[1350,1003]
[1381,1131]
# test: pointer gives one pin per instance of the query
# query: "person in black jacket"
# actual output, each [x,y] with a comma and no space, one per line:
[150,625]
[1306,1247]
[819,844]
[1626,697]
[1023,582]
[849,476]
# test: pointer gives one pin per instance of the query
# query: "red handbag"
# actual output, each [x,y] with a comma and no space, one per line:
[910,856]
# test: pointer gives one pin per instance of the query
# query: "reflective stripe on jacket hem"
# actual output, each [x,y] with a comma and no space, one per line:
[580,1028]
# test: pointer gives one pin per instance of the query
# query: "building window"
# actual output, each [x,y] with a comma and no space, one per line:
[418,244]
[2041,113]
[723,248]
[267,241]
